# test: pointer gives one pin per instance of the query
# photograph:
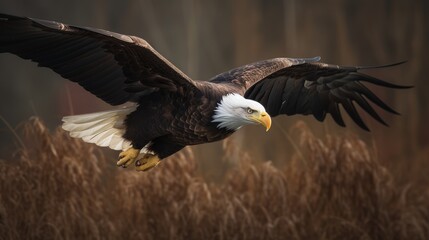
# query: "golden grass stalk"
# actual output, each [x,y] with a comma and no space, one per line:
[61,188]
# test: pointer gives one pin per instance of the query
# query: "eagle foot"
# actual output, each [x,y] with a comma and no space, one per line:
[147,162]
[128,157]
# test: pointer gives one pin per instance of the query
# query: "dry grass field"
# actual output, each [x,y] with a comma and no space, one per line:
[56,187]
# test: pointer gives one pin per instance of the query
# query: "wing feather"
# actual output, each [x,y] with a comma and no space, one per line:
[334,110]
[247,75]
[276,93]
[104,63]
[319,89]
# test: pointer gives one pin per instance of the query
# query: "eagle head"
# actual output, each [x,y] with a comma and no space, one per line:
[235,111]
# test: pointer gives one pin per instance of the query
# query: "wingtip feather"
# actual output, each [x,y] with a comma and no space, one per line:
[381,66]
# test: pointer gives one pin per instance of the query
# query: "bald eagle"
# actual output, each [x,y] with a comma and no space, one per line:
[169,110]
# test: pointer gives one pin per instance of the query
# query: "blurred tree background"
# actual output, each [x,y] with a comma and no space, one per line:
[204,38]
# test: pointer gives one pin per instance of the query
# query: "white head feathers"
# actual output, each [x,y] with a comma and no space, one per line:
[233,110]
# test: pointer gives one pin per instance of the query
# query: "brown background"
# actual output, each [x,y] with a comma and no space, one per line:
[204,38]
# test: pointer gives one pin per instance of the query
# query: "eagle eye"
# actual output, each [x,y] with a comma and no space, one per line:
[250,111]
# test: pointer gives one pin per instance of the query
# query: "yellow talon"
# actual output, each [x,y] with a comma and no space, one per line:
[147,162]
[128,157]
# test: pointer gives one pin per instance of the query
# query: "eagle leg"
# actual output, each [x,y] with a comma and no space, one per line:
[147,162]
[128,157]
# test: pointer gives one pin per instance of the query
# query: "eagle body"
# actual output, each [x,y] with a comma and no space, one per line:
[167,110]
[186,119]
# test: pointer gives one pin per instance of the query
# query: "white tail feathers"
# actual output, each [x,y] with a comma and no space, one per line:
[102,128]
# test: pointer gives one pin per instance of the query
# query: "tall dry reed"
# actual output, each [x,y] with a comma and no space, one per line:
[61,188]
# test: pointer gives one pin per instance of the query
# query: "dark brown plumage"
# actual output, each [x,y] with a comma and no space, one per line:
[173,110]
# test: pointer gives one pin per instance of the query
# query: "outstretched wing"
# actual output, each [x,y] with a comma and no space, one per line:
[245,76]
[318,89]
[116,68]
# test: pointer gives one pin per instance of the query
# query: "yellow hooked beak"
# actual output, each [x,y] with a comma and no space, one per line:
[264,119]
